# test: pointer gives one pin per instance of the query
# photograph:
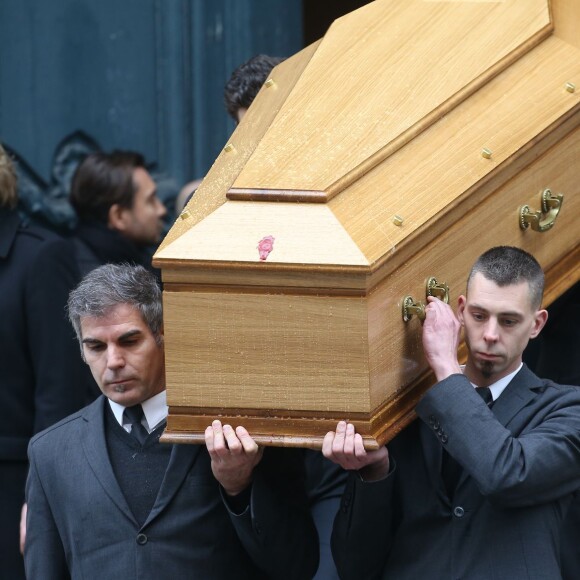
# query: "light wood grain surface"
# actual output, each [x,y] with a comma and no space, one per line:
[266,351]
[389,117]
[211,194]
[380,76]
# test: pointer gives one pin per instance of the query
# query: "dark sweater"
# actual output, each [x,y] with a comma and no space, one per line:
[139,470]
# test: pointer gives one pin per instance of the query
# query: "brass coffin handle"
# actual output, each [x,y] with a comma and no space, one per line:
[440,291]
[544,219]
[432,288]
[410,308]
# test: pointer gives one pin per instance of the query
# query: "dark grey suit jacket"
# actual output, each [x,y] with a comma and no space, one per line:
[521,465]
[80,526]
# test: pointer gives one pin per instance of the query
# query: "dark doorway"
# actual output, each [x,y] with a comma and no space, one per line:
[318,15]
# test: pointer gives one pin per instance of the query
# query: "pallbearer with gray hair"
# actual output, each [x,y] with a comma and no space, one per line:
[107,499]
[113,284]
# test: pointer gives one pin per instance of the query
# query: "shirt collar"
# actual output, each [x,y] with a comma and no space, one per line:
[498,387]
[155,410]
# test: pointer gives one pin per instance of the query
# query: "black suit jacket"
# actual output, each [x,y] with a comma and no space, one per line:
[79,523]
[42,375]
[521,465]
[571,542]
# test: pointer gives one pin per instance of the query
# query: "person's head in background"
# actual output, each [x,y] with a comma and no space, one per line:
[245,83]
[116,190]
[8,183]
[239,93]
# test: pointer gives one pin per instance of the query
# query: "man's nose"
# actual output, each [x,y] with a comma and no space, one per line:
[115,358]
[161,209]
[491,331]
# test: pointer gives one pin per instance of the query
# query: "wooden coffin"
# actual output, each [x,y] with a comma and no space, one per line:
[396,149]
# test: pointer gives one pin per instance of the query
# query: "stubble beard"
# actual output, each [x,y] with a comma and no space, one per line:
[487,368]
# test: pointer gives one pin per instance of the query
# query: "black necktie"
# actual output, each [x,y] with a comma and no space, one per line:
[485,394]
[134,416]
[450,469]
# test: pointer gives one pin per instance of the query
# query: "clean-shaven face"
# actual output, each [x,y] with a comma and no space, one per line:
[126,360]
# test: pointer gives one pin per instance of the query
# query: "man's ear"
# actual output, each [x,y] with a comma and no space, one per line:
[540,319]
[461,302]
[160,338]
[117,218]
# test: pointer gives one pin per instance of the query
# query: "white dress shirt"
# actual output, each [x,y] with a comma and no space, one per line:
[155,411]
[498,387]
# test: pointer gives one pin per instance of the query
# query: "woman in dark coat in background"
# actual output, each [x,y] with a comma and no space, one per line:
[42,376]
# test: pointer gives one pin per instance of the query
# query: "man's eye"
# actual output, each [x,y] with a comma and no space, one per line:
[95,347]
[477,316]
[509,322]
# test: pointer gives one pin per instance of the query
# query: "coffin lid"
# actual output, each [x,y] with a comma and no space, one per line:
[386,116]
